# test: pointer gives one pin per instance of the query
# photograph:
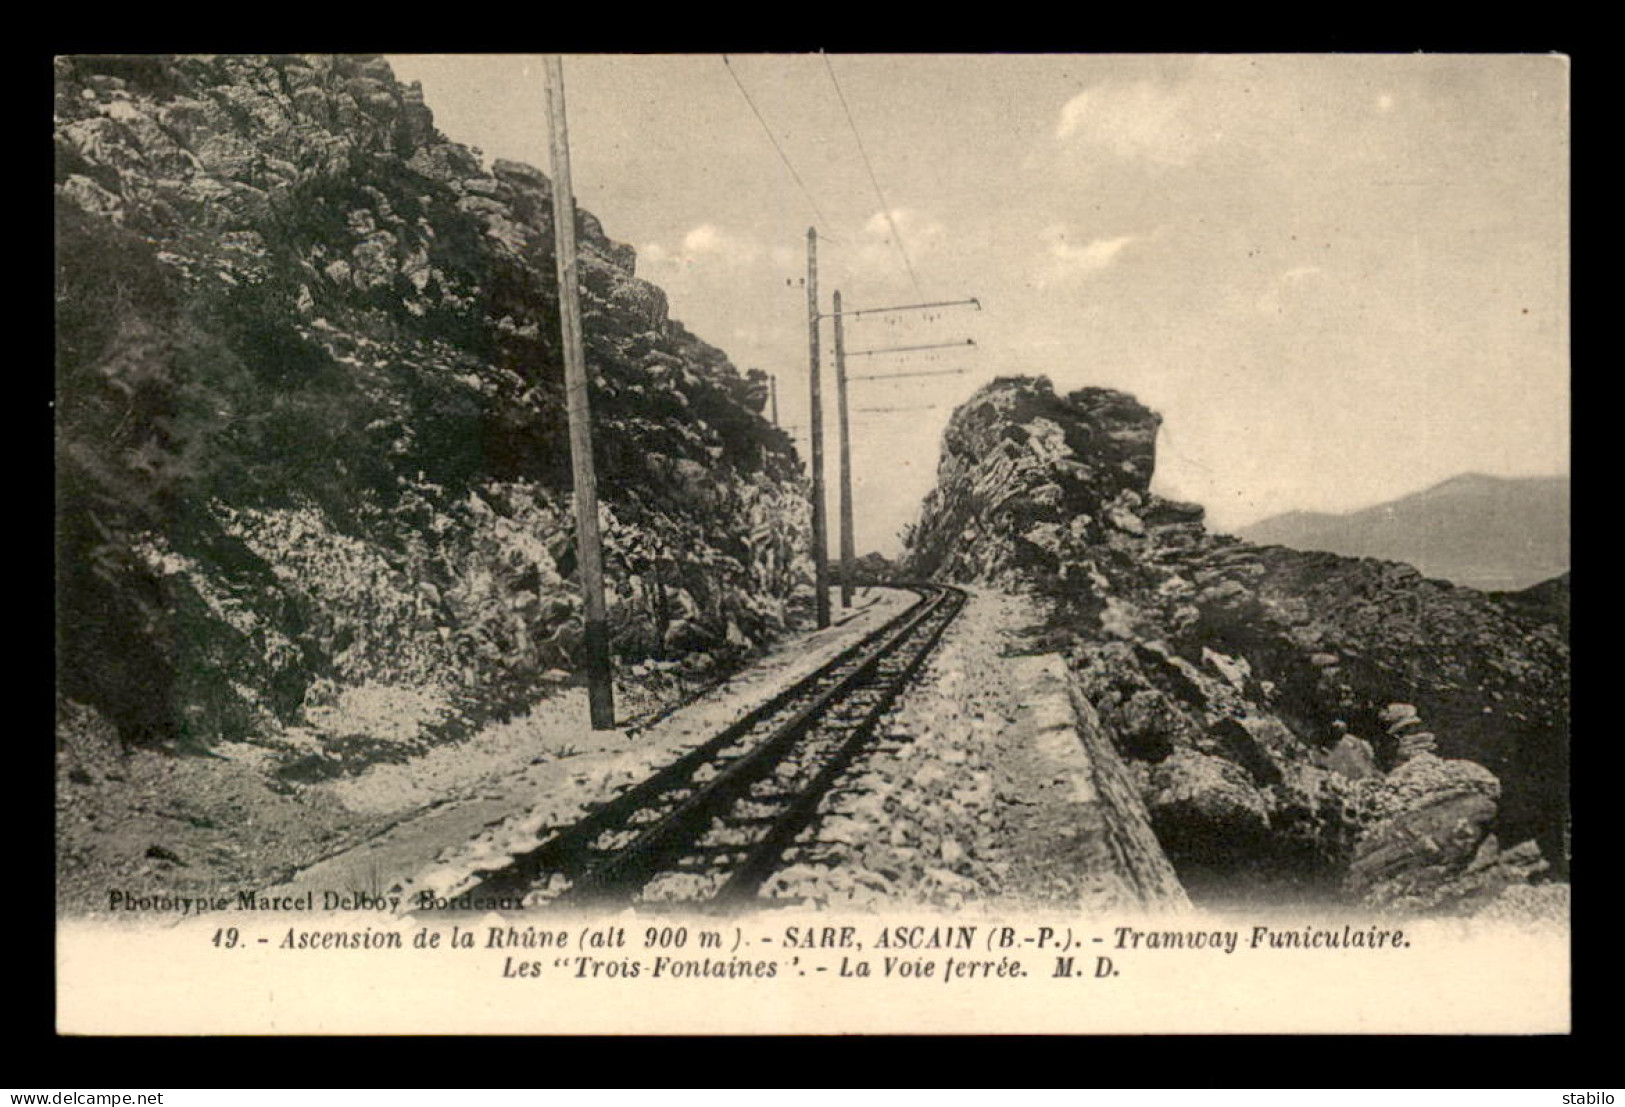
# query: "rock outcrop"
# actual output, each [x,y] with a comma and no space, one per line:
[1304,717]
[1430,842]
[312,455]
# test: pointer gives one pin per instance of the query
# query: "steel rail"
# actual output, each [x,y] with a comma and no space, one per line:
[764,857]
[555,852]
[635,863]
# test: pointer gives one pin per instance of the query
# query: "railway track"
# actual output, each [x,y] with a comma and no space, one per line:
[714,824]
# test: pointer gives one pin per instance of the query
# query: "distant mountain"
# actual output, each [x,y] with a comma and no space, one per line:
[1491,533]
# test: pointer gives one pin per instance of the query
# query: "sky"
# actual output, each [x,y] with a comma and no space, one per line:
[1339,278]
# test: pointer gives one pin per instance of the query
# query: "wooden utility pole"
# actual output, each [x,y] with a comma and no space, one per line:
[848,554]
[773,391]
[589,551]
[819,525]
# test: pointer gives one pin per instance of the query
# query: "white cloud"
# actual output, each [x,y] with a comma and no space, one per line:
[1066,260]
[1137,119]
[919,231]
[912,225]
[702,238]
[706,243]
[710,239]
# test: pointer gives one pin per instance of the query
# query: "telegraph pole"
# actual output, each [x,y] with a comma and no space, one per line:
[847,542]
[819,525]
[589,552]
[773,391]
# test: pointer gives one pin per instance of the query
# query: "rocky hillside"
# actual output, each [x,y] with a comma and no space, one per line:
[1301,724]
[313,474]
[1490,533]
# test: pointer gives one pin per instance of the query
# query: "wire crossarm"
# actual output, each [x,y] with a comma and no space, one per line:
[905,349]
[902,307]
[899,376]
[905,407]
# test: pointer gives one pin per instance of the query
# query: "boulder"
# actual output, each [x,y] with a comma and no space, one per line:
[1259,744]
[1204,807]
[1429,820]
[1352,758]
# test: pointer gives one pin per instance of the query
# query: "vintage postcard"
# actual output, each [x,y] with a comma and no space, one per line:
[833,543]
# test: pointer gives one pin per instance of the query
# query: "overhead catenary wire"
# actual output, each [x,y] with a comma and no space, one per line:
[885,208]
[876,421]
[782,155]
